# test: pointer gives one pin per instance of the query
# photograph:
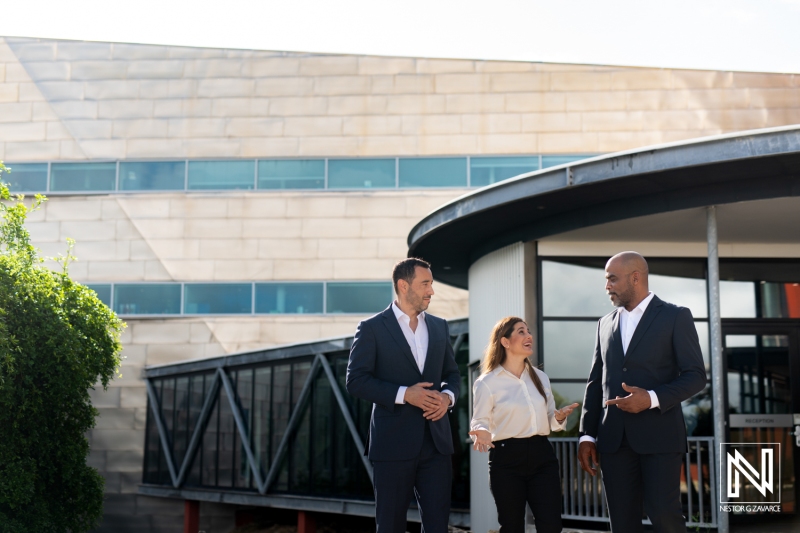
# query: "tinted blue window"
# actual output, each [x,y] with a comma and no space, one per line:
[103,292]
[358,297]
[148,299]
[361,173]
[221,174]
[289,298]
[83,176]
[284,174]
[217,298]
[487,170]
[152,176]
[555,160]
[31,177]
[434,172]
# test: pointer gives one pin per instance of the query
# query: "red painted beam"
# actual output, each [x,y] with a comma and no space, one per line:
[191,516]
[306,522]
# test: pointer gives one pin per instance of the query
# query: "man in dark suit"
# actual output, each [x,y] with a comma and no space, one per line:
[401,361]
[647,360]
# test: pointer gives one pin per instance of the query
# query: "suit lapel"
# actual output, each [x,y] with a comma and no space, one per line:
[616,336]
[647,318]
[390,321]
[433,336]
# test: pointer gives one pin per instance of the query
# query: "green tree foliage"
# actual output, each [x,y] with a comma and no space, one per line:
[57,340]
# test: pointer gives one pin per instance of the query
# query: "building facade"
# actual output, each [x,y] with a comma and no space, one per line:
[226,201]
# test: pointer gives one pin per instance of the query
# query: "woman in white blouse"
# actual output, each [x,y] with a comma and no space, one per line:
[513,412]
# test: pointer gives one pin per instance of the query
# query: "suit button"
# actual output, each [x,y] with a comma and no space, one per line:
[624,369]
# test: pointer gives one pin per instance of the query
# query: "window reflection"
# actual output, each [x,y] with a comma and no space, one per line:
[289,174]
[568,348]
[361,173]
[737,299]
[83,176]
[684,292]
[218,298]
[572,290]
[103,292]
[26,177]
[152,176]
[433,172]
[211,175]
[487,170]
[148,299]
[780,300]
[289,298]
[555,160]
[358,297]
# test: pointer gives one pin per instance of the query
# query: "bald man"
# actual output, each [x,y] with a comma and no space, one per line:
[647,361]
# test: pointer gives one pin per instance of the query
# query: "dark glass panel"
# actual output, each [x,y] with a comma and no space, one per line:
[262,411]
[555,160]
[210,445]
[433,172]
[152,447]
[358,297]
[30,177]
[287,174]
[83,176]
[289,298]
[196,401]
[227,427]
[180,430]
[244,393]
[361,173]
[487,170]
[167,399]
[147,298]
[217,298]
[220,175]
[152,176]
[299,452]
[281,410]
[103,291]
[324,425]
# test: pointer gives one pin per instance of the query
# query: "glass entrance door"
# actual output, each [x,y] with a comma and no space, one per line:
[762,362]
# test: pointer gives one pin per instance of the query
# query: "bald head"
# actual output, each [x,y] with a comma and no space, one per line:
[626,279]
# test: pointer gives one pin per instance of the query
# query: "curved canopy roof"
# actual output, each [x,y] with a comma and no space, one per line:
[751,165]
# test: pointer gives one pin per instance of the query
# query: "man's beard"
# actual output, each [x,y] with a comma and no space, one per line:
[623,298]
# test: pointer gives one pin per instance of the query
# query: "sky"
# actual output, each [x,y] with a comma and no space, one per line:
[745,35]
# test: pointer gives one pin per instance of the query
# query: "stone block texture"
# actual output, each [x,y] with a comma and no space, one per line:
[77,101]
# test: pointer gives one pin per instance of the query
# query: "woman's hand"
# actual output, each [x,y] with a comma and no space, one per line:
[564,412]
[483,440]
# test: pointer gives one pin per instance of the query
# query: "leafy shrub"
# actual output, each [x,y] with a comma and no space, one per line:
[57,340]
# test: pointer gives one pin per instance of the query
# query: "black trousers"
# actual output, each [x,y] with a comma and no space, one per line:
[429,477]
[525,471]
[633,480]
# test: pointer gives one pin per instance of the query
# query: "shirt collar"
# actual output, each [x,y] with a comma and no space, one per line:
[642,307]
[400,315]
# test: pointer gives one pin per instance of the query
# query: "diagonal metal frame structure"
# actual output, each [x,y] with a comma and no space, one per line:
[299,409]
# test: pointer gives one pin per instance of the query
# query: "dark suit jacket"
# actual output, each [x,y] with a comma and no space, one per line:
[663,356]
[380,362]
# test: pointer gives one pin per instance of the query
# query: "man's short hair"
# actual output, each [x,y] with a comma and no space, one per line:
[406,270]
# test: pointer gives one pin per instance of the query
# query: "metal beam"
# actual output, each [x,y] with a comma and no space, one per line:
[343,407]
[294,421]
[717,360]
[208,403]
[241,426]
[155,408]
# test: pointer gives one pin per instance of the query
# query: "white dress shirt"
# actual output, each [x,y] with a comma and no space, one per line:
[628,321]
[418,342]
[510,407]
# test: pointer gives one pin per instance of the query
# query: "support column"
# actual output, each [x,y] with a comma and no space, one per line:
[191,516]
[306,522]
[717,364]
